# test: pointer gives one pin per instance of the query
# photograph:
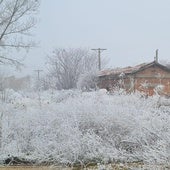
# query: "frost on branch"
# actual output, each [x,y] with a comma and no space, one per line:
[87,81]
[17,18]
[72,127]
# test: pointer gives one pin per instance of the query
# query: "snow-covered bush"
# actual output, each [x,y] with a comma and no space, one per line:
[75,127]
[87,81]
[159,89]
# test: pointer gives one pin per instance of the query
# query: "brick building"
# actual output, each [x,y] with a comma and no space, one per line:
[149,78]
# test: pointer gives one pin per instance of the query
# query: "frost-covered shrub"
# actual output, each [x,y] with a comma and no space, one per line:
[87,81]
[85,127]
[159,89]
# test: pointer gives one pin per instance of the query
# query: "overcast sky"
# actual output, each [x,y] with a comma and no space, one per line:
[131,30]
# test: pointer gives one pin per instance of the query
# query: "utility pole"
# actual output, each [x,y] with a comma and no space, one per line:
[99,50]
[38,74]
[38,81]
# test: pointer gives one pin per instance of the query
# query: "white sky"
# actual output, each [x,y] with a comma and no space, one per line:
[131,30]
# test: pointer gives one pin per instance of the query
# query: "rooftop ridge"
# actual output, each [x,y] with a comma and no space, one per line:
[129,69]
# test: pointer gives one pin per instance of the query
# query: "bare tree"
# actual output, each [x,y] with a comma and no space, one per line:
[67,65]
[17,17]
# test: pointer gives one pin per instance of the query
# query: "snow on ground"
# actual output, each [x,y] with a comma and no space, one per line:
[77,127]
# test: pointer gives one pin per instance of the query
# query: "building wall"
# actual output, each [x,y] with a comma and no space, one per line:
[17,83]
[148,81]
[108,82]
[151,79]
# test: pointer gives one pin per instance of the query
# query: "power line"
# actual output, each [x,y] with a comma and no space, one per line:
[99,50]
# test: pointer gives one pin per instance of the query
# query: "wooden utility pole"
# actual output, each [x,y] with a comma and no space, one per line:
[38,74]
[99,50]
[38,83]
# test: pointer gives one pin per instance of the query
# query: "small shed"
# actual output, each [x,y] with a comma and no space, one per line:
[149,78]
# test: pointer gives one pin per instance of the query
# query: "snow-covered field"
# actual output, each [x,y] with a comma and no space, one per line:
[70,127]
